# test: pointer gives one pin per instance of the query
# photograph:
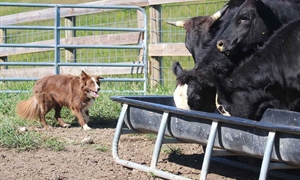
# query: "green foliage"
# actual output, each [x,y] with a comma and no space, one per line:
[169,150]
[104,112]
[9,10]
[53,143]
[12,137]
[151,136]
[101,148]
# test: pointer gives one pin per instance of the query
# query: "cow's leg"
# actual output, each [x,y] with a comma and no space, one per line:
[57,116]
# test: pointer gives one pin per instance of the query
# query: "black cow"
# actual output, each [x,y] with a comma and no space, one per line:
[254,23]
[190,94]
[194,90]
[269,79]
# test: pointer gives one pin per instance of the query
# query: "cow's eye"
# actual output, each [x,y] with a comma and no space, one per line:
[244,20]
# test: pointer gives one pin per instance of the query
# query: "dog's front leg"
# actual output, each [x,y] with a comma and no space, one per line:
[86,116]
[81,121]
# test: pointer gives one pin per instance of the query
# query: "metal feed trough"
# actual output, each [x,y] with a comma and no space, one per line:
[275,139]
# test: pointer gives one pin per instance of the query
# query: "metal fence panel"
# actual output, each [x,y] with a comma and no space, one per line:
[111,43]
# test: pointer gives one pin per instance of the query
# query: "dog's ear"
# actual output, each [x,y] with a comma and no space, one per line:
[83,75]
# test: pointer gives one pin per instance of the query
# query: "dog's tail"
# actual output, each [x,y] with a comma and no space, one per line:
[28,109]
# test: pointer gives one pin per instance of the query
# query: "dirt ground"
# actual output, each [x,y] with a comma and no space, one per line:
[85,161]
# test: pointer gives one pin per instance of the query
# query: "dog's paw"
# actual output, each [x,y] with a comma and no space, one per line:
[66,125]
[86,127]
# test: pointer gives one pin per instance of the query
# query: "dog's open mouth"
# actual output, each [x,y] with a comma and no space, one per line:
[94,93]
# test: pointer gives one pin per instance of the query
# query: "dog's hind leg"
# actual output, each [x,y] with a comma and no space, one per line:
[57,116]
[43,111]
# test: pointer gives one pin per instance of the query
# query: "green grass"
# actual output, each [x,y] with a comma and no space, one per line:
[12,137]
[18,10]
[170,150]
[104,111]
[101,148]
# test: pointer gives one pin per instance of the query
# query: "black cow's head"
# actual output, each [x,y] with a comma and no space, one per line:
[190,93]
[193,90]
[250,27]
[199,32]
[244,103]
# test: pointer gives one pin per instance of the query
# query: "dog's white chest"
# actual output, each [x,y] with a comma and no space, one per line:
[88,104]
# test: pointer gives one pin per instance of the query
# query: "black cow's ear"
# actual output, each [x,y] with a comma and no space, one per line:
[177,69]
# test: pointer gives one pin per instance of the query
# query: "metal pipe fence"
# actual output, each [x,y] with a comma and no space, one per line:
[52,46]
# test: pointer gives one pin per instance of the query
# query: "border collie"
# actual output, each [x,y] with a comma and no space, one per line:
[77,93]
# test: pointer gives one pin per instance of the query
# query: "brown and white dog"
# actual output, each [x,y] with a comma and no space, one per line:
[77,93]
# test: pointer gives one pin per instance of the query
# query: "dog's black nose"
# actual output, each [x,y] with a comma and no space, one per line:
[98,89]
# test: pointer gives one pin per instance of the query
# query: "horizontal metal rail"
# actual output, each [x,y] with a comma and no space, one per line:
[71,46]
[19,27]
[69,6]
[71,64]
[102,80]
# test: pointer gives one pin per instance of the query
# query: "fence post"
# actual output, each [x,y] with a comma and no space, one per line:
[3,41]
[155,37]
[140,24]
[70,53]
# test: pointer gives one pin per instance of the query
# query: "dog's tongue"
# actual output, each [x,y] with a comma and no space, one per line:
[95,94]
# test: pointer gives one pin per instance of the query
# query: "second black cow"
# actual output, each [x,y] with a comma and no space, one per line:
[269,79]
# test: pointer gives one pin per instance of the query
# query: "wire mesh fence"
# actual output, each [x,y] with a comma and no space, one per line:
[128,18]
[171,34]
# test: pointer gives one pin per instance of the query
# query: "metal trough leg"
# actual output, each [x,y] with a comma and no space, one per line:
[159,140]
[208,151]
[118,132]
[267,156]
[157,148]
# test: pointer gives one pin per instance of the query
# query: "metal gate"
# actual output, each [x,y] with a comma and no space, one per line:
[55,13]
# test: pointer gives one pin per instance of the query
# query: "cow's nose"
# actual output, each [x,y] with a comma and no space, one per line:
[221,45]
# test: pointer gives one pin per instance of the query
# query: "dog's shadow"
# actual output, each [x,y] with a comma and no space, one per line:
[102,122]
[96,122]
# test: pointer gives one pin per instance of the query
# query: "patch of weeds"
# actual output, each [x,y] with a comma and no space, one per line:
[101,148]
[53,143]
[151,136]
[12,138]
[171,150]
[152,174]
